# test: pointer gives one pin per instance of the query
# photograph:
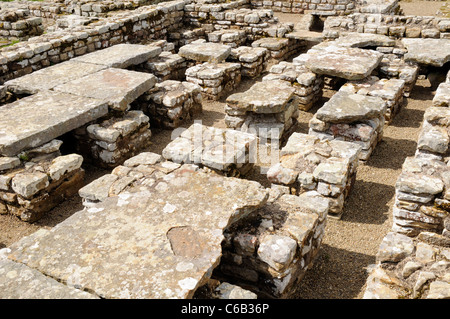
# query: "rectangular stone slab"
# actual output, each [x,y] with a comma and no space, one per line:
[205,52]
[346,108]
[48,78]
[121,55]
[263,97]
[18,281]
[343,62]
[154,242]
[435,52]
[118,87]
[37,119]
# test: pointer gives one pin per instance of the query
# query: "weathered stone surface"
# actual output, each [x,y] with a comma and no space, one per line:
[43,117]
[343,62]
[18,281]
[395,247]
[48,78]
[98,190]
[28,184]
[327,166]
[205,52]
[159,242]
[442,96]
[361,40]
[7,163]
[117,87]
[121,55]
[63,165]
[346,108]
[434,52]
[262,97]
[220,149]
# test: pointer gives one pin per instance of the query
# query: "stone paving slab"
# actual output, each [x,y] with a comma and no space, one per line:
[48,78]
[37,119]
[151,242]
[361,40]
[18,281]
[205,52]
[118,87]
[263,97]
[345,108]
[121,55]
[434,52]
[343,62]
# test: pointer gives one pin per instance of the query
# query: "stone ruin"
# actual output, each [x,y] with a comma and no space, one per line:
[106,76]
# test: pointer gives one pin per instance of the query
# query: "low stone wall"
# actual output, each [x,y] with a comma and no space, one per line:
[170,103]
[397,26]
[327,7]
[110,142]
[19,25]
[37,180]
[413,259]
[140,25]
[308,85]
[310,164]
[410,268]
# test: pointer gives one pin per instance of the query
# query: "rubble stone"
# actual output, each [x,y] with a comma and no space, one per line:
[226,151]
[308,163]
[215,79]
[268,109]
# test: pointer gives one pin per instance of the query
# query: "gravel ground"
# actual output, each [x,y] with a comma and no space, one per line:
[350,244]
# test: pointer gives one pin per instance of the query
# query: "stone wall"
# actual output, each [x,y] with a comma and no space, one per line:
[325,7]
[393,25]
[19,24]
[137,26]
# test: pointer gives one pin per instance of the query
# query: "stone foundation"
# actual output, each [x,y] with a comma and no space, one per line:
[310,164]
[308,85]
[253,60]
[171,103]
[270,251]
[280,48]
[228,152]
[268,109]
[410,268]
[37,180]
[351,117]
[390,90]
[393,67]
[215,80]
[112,141]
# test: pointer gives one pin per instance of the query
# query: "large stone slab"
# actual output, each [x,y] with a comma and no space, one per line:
[434,52]
[121,55]
[347,108]
[361,40]
[151,242]
[263,97]
[18,281]
[343,62]
[117,87]
[48,78]
[37,119]
[205,52]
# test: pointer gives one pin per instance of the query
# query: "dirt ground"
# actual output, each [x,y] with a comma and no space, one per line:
[351,243]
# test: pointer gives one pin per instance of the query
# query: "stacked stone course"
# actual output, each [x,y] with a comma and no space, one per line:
[19,25]
[171,103]
[310,164]
[38,179]
[308,85]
